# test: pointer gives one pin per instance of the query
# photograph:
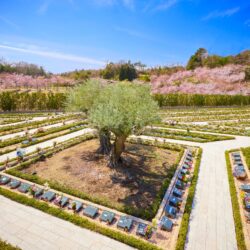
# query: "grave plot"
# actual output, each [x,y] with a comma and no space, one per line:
[239,180]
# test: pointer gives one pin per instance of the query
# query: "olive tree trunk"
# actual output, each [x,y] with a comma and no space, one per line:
[105,144]
[117,148]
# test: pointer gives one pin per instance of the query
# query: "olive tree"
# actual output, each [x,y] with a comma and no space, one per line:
[80,99]
[123,109]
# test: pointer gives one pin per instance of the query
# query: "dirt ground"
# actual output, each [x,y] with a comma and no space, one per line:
[135,184]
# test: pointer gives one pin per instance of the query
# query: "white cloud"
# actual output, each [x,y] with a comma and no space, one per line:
[221,14]
[9,23]
[53,54]
[104,2]
[247,23]
[165,5]
[130,4]
[44,7]
[131,32]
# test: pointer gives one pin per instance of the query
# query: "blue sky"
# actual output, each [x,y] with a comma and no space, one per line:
[64,35]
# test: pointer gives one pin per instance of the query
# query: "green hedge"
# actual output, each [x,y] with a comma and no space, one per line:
[235,205]
[79,221]
[19,139]
[147,214]
[185,135]
[6,246]
[14,101]
[199,100]
[188,207]
[246,153]
[34,124]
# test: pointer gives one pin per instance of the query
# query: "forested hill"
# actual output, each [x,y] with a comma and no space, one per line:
[204,73]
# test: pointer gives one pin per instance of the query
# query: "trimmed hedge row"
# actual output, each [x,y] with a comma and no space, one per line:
[19,139]
[146,214]
[185,135]
[79,221]
[181,99]
[246,153]
[13,101]
[207,128]
[188,207]
[50,137]
[235,205]
[34,124]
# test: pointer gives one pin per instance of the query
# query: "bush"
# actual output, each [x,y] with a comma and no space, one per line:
[6,246]
[247,74]
[214,61]
[144,78]
[119,71]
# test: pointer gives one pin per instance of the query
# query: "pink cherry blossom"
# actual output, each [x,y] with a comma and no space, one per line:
[223,80]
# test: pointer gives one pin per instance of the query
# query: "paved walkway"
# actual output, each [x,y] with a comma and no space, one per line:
[211,226]
[31,229]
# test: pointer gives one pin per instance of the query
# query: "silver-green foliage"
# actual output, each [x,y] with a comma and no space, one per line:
[124,108]
[82,97]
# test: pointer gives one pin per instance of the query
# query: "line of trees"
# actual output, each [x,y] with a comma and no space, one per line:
[22,68]
[120,71]
[24,101]
[201,58]
[35,101]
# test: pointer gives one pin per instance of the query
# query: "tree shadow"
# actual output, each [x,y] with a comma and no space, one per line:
[135,174]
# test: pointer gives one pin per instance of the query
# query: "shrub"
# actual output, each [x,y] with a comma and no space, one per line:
[247,74]
[246,153]
[144,78]
[6,246]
